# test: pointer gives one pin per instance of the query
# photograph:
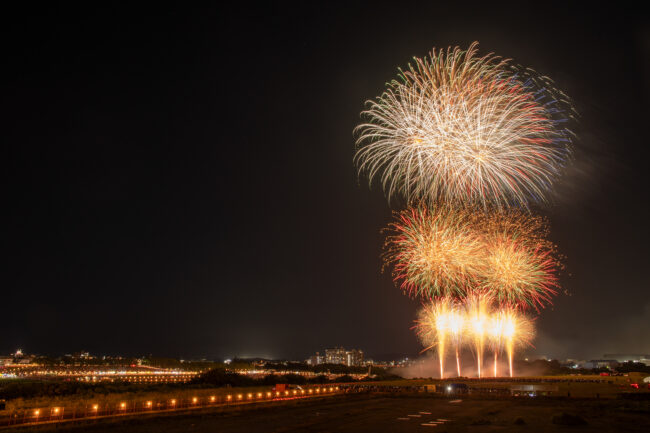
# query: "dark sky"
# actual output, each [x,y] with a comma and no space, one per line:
[180,182]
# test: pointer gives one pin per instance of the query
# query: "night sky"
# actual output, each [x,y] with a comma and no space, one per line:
[180,182]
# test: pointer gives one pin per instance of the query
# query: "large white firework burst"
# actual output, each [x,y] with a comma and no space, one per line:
[462,128]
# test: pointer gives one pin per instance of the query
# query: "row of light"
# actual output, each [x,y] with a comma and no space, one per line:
[149,404]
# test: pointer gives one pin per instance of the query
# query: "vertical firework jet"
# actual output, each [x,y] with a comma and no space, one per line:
[518,330]
[477,311]
[476,322]
[456,325]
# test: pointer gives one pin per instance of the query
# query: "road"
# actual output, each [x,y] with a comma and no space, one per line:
[416,413]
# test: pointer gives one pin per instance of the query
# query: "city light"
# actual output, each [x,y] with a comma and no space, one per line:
[119,408]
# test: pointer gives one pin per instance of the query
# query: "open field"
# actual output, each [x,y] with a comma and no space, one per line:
[396,413]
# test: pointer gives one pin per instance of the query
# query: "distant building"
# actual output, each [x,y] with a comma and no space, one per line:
[601,363]
[354,358]
[626,357]
[335,356]
[315,359]
[339,355]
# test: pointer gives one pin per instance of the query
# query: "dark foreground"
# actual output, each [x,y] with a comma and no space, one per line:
[415,413]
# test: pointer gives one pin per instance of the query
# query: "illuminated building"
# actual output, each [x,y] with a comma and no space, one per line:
[315,359]
[354,358]
[335,356]
[339,355]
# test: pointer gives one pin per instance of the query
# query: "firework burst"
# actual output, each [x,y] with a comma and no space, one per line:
[462,128]
[451,251]
[520,264]
[435,252]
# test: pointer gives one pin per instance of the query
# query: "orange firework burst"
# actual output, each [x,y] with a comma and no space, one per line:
[451,251]
[520,264]
[435,252]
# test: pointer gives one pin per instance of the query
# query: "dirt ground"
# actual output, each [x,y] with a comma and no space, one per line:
[413,413]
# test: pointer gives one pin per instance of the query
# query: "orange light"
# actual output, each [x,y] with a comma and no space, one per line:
[56,410]
[122,405]
[148,404]
[212,398]
[259,394]
[173,401]
[95,407]
[268,394]
[37,412]
[239,396]
[337,388]
[230,397]
[277,394]
[295,392]
[330,389]
[194,400]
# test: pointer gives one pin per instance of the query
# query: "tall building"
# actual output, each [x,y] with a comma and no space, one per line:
[354,358]
[339,355]
[335,356]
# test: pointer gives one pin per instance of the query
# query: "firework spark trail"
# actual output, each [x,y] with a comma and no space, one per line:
[462,128]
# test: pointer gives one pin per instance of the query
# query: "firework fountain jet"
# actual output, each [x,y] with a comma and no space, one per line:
[496,333]
[478,317]
[456,323]
[478,320]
